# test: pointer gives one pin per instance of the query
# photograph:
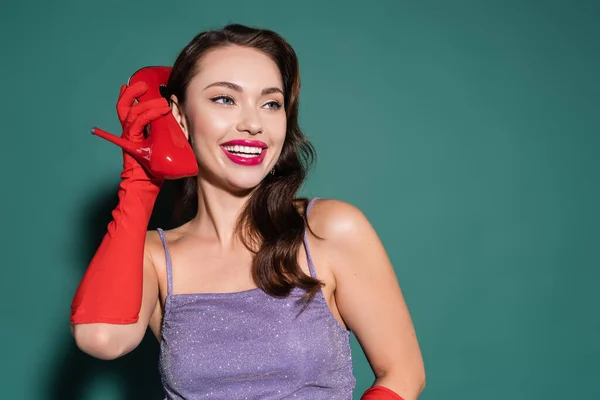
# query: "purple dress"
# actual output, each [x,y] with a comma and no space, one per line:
[249,345]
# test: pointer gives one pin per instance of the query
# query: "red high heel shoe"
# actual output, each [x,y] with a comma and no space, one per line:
[165,153]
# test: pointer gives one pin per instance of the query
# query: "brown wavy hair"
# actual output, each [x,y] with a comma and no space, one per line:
[273,220]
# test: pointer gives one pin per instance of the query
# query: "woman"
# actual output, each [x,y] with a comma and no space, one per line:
[253,297]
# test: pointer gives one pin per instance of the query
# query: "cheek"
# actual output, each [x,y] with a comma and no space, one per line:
[278,130]
[210,125]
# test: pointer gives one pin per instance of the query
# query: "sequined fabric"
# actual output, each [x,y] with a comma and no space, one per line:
[249,345]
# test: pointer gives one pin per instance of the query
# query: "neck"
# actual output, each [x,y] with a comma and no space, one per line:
[218,213]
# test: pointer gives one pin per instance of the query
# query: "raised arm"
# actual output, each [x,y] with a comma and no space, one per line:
[117,294]
[370,300]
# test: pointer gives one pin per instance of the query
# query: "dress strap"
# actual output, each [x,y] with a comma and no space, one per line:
[311,266]
[168,259]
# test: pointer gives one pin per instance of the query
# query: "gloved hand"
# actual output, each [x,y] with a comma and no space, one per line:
[111,288]
[166,153]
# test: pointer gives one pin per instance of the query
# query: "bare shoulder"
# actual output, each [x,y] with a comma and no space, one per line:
[346,240]
[152,237]
[338,222]
[153,244]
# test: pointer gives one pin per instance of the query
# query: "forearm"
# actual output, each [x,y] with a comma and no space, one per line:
[111,289]
[109,341]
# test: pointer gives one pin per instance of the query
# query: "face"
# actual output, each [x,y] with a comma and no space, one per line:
[235,115]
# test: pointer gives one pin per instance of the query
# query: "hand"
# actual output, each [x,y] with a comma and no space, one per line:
[135,116]
[112,287]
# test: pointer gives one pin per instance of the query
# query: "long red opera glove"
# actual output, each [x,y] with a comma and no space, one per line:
[111,288]
[380,393]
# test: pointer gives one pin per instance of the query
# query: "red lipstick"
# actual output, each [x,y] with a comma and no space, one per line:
[245,151]
[246,142]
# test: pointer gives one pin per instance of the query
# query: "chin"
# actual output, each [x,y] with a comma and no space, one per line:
[245,182]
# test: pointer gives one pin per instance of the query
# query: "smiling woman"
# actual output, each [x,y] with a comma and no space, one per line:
[253,297]
[227,106]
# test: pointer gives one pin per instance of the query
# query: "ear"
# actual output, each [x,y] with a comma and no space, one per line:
[178,113]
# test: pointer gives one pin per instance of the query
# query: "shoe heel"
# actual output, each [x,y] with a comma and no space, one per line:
[128,146]
[165,152]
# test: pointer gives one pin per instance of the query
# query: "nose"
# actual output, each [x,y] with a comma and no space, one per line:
[250,122]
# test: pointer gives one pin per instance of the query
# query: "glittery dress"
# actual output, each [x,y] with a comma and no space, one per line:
[249,345]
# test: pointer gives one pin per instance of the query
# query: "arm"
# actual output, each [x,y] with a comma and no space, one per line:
[118,292]
[370,301]
[109,341]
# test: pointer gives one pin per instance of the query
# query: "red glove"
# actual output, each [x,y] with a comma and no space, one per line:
[111,289]
[380,393]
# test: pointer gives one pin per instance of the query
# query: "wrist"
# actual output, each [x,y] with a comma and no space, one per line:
[134,172]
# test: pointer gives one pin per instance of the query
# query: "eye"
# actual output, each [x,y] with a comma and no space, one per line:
[273,105]
[223,99]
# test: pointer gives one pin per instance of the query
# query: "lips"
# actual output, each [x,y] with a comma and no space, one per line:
[245,151]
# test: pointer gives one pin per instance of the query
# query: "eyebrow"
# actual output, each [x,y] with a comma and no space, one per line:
[238,88]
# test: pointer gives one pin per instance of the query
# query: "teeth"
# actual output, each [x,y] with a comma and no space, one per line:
[244,149]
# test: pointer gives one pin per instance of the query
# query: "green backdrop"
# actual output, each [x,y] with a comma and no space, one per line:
[468,133]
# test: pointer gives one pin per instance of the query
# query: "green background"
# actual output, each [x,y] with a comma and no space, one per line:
[468,133]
